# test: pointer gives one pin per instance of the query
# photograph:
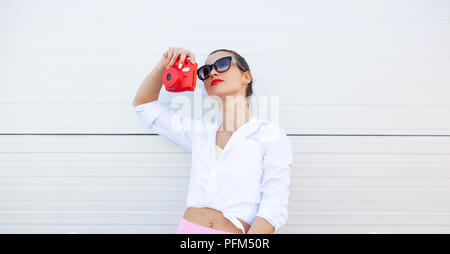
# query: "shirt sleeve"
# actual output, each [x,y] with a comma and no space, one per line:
[277,164]
[169,124]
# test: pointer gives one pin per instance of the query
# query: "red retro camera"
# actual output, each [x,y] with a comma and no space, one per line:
[176,80]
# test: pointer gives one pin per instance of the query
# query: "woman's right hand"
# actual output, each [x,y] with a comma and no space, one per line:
[171,55]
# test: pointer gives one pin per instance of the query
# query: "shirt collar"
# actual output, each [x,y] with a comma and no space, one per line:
[241,133]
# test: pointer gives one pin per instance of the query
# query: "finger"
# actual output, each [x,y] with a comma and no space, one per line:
[165,59]
[182,58]
[192,57]
[174,58]
[169,57]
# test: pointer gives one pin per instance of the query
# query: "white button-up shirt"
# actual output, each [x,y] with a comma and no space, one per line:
[252,175]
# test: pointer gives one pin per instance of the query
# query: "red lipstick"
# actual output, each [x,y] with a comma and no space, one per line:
[215,81]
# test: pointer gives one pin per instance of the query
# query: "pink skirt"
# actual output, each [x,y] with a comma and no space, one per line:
[187,227]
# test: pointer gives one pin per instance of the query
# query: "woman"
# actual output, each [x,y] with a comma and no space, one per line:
[241,165]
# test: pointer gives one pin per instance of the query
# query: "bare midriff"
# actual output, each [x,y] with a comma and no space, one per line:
[212,218]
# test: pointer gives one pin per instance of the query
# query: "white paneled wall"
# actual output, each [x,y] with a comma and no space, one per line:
[363,87]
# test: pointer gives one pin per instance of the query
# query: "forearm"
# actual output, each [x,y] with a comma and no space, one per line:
[261,226]
[151,86]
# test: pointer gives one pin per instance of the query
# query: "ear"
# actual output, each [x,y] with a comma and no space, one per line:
[247,77]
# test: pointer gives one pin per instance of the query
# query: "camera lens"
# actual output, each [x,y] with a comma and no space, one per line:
[169,77]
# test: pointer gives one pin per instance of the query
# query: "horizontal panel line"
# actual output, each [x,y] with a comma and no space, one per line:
[260,80]
[181,212]
[83,223]
[189,164]
[300,168]
[272,18]
[89,200]
[186,189]
[374,213]
[366,201]
[374,135]
[370,224]
[172,152]
[299,135]
[88,212]
[368,189]
[387,21]
[99,152]
[280,54]
[265,79]
[176,223]
[188,176]
[255,29]
[91,188]
[96,164]
[356,201]
[249,54]
[200,104]
[103,176]
[184,200]
[369,177]
[99,200]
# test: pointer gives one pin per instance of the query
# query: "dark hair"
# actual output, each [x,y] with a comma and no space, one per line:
[243,66]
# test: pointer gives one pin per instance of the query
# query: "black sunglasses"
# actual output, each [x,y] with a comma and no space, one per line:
[221,65]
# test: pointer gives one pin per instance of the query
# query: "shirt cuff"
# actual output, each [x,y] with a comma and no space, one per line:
[275,215]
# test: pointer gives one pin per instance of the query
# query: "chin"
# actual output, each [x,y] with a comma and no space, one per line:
[214,91]
[221,92]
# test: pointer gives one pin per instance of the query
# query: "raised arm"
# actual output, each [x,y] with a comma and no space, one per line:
[159,118]
[151,86]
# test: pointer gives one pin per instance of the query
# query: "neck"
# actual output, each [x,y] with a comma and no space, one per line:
[235,113]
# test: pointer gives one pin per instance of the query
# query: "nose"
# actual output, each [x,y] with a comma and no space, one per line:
[213,73]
